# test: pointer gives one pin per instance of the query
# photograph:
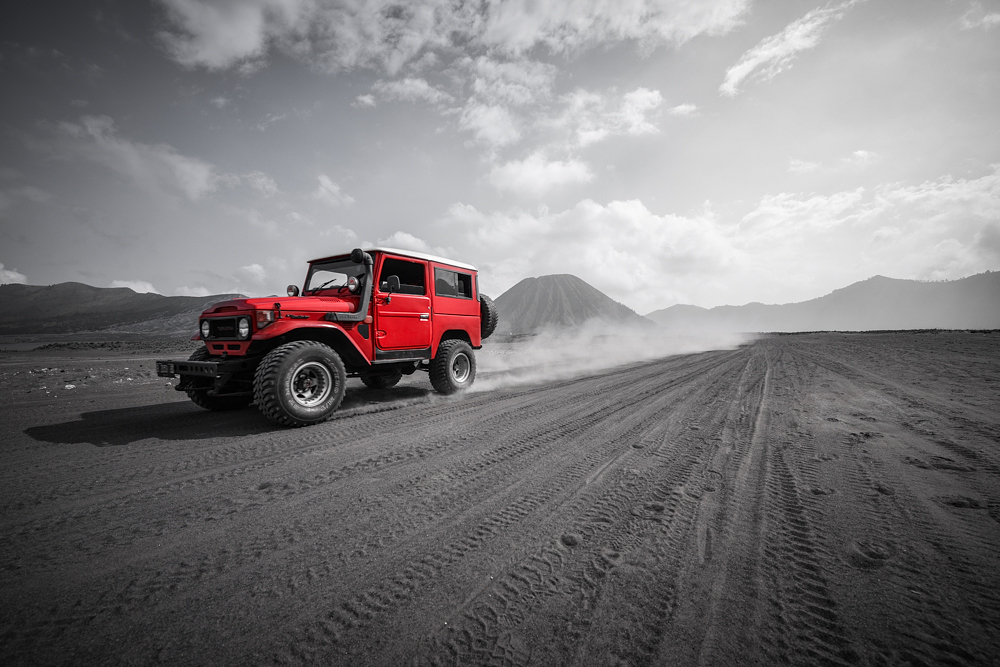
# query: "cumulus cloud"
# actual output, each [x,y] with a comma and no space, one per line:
[622,248]
[535,175]
[515,83]
[860,159]
[336,34]
[8,276]
[198,290]
[683,110]
[406,241]
[493,126]
[140,286]
[977,17]
[775,54]
[590,117]
[364,101]
[255,272]
[939,229]
[330,193]
[410,90]
[260,182]
[157,167]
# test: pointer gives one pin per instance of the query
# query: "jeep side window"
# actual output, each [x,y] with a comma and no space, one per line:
[452,283]
[411,276]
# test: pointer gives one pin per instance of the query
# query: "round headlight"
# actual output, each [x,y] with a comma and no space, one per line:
[352,284]
[243,328]
[205,330]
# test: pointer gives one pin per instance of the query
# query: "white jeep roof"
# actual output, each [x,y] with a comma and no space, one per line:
[411,253]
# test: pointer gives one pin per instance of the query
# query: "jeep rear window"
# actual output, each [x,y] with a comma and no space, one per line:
[410,274]
[332,274]
[452,283]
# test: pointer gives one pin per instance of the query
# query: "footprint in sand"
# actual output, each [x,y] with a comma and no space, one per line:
[869,554]
[961,502]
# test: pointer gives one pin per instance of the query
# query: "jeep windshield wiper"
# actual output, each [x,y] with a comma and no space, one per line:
[325,285]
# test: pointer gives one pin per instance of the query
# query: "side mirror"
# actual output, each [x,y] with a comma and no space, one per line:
[393,284]
[293,290]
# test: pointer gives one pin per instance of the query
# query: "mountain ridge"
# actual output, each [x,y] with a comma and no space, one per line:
[877,303]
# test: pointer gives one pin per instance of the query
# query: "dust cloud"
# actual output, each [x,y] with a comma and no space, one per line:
[562,354]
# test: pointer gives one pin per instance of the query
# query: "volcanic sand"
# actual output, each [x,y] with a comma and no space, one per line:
[807,499]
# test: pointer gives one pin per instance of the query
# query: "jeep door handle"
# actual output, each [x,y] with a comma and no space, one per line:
[425,316]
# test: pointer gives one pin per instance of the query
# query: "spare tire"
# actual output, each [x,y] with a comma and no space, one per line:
[488,316]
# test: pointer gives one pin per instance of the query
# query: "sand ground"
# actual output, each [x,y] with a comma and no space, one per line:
[808,499]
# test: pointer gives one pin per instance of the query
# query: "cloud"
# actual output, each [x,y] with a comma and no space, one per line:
[492,125]
[410,90]
[939,229]
[156,167]
[8,276]
[535,175]
[622,248]
[329,192]
[515,83]
[334,35]
[140,286]
[219,101]
[683,110]
[261,182]
[797,166]
[860,159]
[775,54]
[406,241]
[255,272]
[193,291]
[977,17]
[364,101]
[591,118]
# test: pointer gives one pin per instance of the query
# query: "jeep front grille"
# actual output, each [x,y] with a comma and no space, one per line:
[222,328]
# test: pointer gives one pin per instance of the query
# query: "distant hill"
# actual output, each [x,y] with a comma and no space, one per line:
[75,307]
[873,304]
[556,302]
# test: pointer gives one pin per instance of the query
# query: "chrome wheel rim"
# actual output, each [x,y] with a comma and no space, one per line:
[461,367]
[310,384]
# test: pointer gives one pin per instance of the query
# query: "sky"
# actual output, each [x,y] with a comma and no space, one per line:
[705,152]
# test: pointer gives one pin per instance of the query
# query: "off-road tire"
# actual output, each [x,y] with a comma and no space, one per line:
[299,383]
[489,317]
[454,367]
[380,381]
[201,398]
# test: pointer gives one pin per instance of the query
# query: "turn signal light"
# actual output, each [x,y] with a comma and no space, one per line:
[264,317]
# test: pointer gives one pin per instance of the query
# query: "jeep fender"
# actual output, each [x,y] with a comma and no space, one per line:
[330,333]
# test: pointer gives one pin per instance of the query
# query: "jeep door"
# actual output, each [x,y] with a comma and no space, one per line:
[403,318]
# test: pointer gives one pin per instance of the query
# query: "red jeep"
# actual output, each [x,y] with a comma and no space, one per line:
[377,315]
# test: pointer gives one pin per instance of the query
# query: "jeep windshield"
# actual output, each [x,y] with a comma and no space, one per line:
[334,274]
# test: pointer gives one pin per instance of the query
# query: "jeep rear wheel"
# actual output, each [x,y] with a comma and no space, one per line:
[203,399]
[454,367]
[299,383]
[381,381]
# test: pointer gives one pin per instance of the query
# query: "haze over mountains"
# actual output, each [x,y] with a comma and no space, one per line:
[878,303]
[548,302]
[75,307]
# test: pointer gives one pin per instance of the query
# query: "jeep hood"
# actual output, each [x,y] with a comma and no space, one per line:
[316,304]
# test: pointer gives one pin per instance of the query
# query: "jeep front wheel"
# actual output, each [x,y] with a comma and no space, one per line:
[454,367]
[299,383]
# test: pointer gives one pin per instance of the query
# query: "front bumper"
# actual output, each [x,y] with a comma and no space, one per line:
[226,376]
[171,369]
